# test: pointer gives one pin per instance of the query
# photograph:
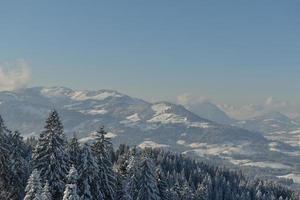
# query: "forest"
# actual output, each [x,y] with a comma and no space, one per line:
[53,166]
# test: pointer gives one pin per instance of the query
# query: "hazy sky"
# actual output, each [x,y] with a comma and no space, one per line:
[232,51]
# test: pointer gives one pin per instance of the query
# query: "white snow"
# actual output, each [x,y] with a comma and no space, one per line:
[203,149]
[160,108]
[295,177]
[133,118]
[199,124]
[162,115]
[151,144]
[94,111]
[181,142]
[268,164]
[238,162]
[55,92]
[295,132]
[183,134]
[91,137]
[85,95]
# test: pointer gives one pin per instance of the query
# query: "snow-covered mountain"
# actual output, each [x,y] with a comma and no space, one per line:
[275,126]
[210,111]
[137,122]
[268,122]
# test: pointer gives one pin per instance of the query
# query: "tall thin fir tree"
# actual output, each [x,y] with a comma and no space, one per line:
[103,150]
[147,188]
[201,192]
[4,161]
[89,175]
[34,187]
[74,151]
[46,194]
[19,166]
[71,191]
[50,157]
[133,170]
[162,185]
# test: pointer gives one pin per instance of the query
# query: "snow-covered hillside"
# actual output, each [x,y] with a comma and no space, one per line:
[137,122]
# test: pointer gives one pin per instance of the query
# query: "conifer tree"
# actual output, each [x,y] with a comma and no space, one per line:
[49,156]
[89,175]
[162,185]
[74,151]
[4,160]
[71,192]
[46,195]
[34,188]
[18,165]
[201,193]
[103,151]
[133,171]
[147,188]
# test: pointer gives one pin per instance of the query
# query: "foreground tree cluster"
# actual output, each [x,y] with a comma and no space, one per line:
[51,167]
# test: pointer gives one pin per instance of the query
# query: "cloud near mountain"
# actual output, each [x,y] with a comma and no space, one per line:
[14,75]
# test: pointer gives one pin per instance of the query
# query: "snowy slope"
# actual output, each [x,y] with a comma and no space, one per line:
[137,122]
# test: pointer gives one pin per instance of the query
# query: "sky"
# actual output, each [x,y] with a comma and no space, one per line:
[234,52]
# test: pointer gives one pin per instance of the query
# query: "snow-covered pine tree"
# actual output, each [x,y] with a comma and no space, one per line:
[103,151]
[71,192]
[201,192]
[162,185]
[18,165]
[49,156]
[74,151]
[147,188]
[133,171]
[89,175]
[4,161]
[46,194]
[34,187]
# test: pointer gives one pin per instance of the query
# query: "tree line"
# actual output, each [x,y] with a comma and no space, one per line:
[51,167]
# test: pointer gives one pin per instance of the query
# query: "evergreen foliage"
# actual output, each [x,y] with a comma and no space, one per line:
[49,156]
[97,172]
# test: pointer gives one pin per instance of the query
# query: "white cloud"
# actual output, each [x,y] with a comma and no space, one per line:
[190,100]
[253,110]
[14,75]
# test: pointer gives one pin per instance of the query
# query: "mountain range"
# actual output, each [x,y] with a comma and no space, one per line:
[205,131]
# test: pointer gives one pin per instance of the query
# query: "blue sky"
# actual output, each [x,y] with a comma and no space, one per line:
[231,51]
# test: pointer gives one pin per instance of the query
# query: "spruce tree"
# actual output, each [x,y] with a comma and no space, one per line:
[18,165]
[34,188]
[89,175]
[162,185]
[4,161]
[147,188]
[103,151]
[46,194]
[49,156]
[71,192]
[74,151]
[201,193]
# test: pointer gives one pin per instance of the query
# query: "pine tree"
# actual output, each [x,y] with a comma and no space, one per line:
[18,165]
[133,171]
[201,193]
[34,188]
[70,192]
[162,185]
[103,151]
[49,156]
[46,195]
[147,188]
[89,175]
[4,161]
[74,151]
